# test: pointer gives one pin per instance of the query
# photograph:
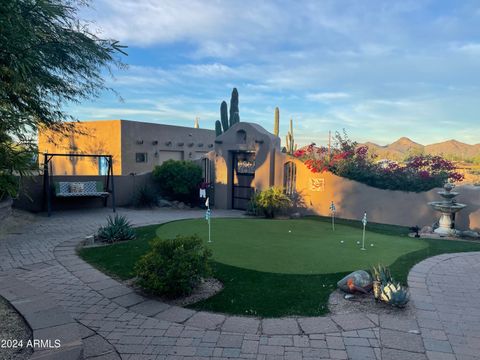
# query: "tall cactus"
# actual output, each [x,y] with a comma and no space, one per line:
[276,126]
[224,116]
[218,128]
[290,140]
[236,119]
[227,122]
[234,111]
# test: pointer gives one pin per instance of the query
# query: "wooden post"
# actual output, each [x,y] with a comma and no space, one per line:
[110,160]
[46,182]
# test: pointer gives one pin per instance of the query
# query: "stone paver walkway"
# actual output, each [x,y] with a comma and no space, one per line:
[114,322]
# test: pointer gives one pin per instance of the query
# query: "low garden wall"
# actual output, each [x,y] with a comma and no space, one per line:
[31,197]
[352,199]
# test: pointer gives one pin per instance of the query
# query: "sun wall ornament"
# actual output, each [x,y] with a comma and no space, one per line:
[317,184]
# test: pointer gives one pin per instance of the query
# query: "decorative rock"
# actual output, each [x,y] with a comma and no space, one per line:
[470,233]
[426,230]
[164,203]
[181,205]
[357,281]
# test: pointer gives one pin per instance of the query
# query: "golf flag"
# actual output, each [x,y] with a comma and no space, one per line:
[207,202]
[332,207]
[364,220]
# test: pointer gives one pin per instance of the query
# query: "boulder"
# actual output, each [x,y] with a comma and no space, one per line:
[164,203]
[426,230]
[470,234]
[357,281]
[181,205]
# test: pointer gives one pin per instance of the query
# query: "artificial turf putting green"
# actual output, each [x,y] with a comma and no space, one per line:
[304,246]
[269,271]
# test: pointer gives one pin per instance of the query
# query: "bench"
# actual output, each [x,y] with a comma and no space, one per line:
[80,189]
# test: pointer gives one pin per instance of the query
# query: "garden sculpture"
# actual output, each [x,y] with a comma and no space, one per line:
[357,281]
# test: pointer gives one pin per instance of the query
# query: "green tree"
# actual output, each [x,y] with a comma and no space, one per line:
[48,58]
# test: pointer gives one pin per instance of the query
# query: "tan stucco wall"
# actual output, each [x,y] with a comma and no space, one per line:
[351,198]
[161,142]
[97,137]
[258,140]
[384,206]
[120,138]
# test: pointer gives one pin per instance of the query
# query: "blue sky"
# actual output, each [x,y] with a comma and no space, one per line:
[379,69]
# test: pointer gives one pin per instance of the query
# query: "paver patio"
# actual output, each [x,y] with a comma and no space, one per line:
[114,322]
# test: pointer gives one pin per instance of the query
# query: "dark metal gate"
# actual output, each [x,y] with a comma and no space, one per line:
[243,173]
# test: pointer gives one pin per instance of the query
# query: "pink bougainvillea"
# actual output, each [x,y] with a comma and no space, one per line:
[418,173]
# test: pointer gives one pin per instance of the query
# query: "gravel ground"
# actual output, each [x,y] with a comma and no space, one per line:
[207,288]
[364,303]
[13,327]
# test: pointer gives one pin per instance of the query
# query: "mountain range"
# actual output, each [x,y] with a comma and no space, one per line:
[398,150]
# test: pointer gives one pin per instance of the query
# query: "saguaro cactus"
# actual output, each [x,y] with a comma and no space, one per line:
[225,121]
[224,116]
[218,128]
[234,111]
[290,141]
[276,126]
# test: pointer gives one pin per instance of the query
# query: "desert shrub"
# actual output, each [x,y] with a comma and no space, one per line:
[298,201]
[271,201]
[118,228]
[252,206]
[173,267]
[144,197]
[178,179]
[418,173]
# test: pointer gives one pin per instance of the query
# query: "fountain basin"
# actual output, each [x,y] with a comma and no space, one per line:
[447,209]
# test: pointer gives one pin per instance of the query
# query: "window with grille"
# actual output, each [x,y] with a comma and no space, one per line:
[289,177]
[141,157]
[207,170]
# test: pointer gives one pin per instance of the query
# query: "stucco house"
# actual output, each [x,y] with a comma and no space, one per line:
[137,147]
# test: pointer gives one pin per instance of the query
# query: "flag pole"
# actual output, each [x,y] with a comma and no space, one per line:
[208,216]
[333,209]
[364,221]
[209,231]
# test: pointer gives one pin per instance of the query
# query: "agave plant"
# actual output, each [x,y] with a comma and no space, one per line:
[118,228]
[381,277]
[395,295]
[381,274]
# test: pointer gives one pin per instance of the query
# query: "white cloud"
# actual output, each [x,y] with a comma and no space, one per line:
[372,65]
[469,48]
[327,96]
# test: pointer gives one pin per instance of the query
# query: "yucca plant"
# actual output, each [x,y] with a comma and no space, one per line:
[395,295]
[118,228]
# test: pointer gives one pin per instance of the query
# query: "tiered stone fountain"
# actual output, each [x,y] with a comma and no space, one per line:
[447,208]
